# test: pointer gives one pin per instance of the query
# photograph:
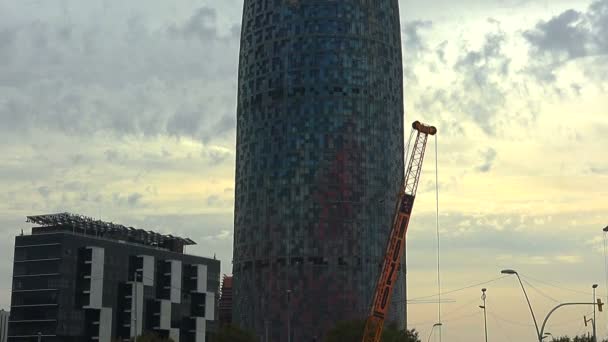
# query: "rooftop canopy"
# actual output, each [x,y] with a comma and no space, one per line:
[89,226]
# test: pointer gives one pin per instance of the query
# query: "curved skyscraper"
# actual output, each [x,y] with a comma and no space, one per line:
[319,162]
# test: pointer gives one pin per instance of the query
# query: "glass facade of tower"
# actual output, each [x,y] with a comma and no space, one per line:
[319,162]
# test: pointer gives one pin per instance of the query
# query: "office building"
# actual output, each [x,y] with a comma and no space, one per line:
[319,162]
[79,279]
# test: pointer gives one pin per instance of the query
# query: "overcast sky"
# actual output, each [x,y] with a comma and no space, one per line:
[125,111]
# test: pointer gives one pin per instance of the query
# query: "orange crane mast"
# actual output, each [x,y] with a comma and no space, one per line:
[396,241]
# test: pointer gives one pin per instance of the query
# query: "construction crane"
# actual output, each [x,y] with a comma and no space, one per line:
[396,240]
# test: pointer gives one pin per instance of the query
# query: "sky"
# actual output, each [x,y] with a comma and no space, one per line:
[126,111]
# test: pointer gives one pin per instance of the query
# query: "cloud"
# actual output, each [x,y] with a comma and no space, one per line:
[565,34]
[414,47]
[134,199]
[569,259]
[217,156]
[131,200]
[478,88]
[44,191]
[119,77]
[413,41]
[488,160]
[569,36]
[599,170]
[201,25]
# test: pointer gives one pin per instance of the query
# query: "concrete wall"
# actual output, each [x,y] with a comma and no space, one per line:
[4,315]
[97,266]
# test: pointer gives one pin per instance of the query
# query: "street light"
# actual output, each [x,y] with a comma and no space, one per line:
[594,286]
[485,320]
[511,272]
[433,328]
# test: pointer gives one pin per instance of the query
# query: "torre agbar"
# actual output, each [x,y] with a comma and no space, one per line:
[319,163]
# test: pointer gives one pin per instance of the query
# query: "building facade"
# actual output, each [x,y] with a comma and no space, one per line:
[226,300]
[4,317]
[77,279]
[319,162]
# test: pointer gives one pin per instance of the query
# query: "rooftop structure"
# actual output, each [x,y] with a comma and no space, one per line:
[89,226]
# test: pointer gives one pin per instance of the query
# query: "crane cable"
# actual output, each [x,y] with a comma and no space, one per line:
[437,231]
[403,256]
[606,263]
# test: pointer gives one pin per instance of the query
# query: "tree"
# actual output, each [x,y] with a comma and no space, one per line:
[348,331]
[392,334]
[152,337]
[352,331]
[232,333]
[581,338]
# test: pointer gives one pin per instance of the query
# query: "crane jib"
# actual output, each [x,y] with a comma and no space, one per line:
[396,240]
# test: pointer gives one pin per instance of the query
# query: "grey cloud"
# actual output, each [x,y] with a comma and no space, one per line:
[216,201]
[127,200]
[440,51]
[134,199]
[413,40]
[7,39]
[77,159]
[504,240]
[187,123]
[565,34]
[598,16]
[414,47]
[225,124]
[114,156]
[44,191]
[599,170]
[484,72]
[481,87]
[120,77]
[201,25]
[488,59]
[489,156]
[213,200]
[568,36]
[216,157]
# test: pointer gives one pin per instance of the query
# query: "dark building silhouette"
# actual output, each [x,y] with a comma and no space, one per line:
[225,305]
[319,162]
[79,279]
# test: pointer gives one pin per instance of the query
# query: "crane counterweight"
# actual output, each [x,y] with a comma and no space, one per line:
[426,129]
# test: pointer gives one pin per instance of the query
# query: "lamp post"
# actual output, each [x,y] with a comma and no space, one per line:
[511,272]
[605,230]
[433,328]
[594,286]
[485,320]
[598,303]
[288,315]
